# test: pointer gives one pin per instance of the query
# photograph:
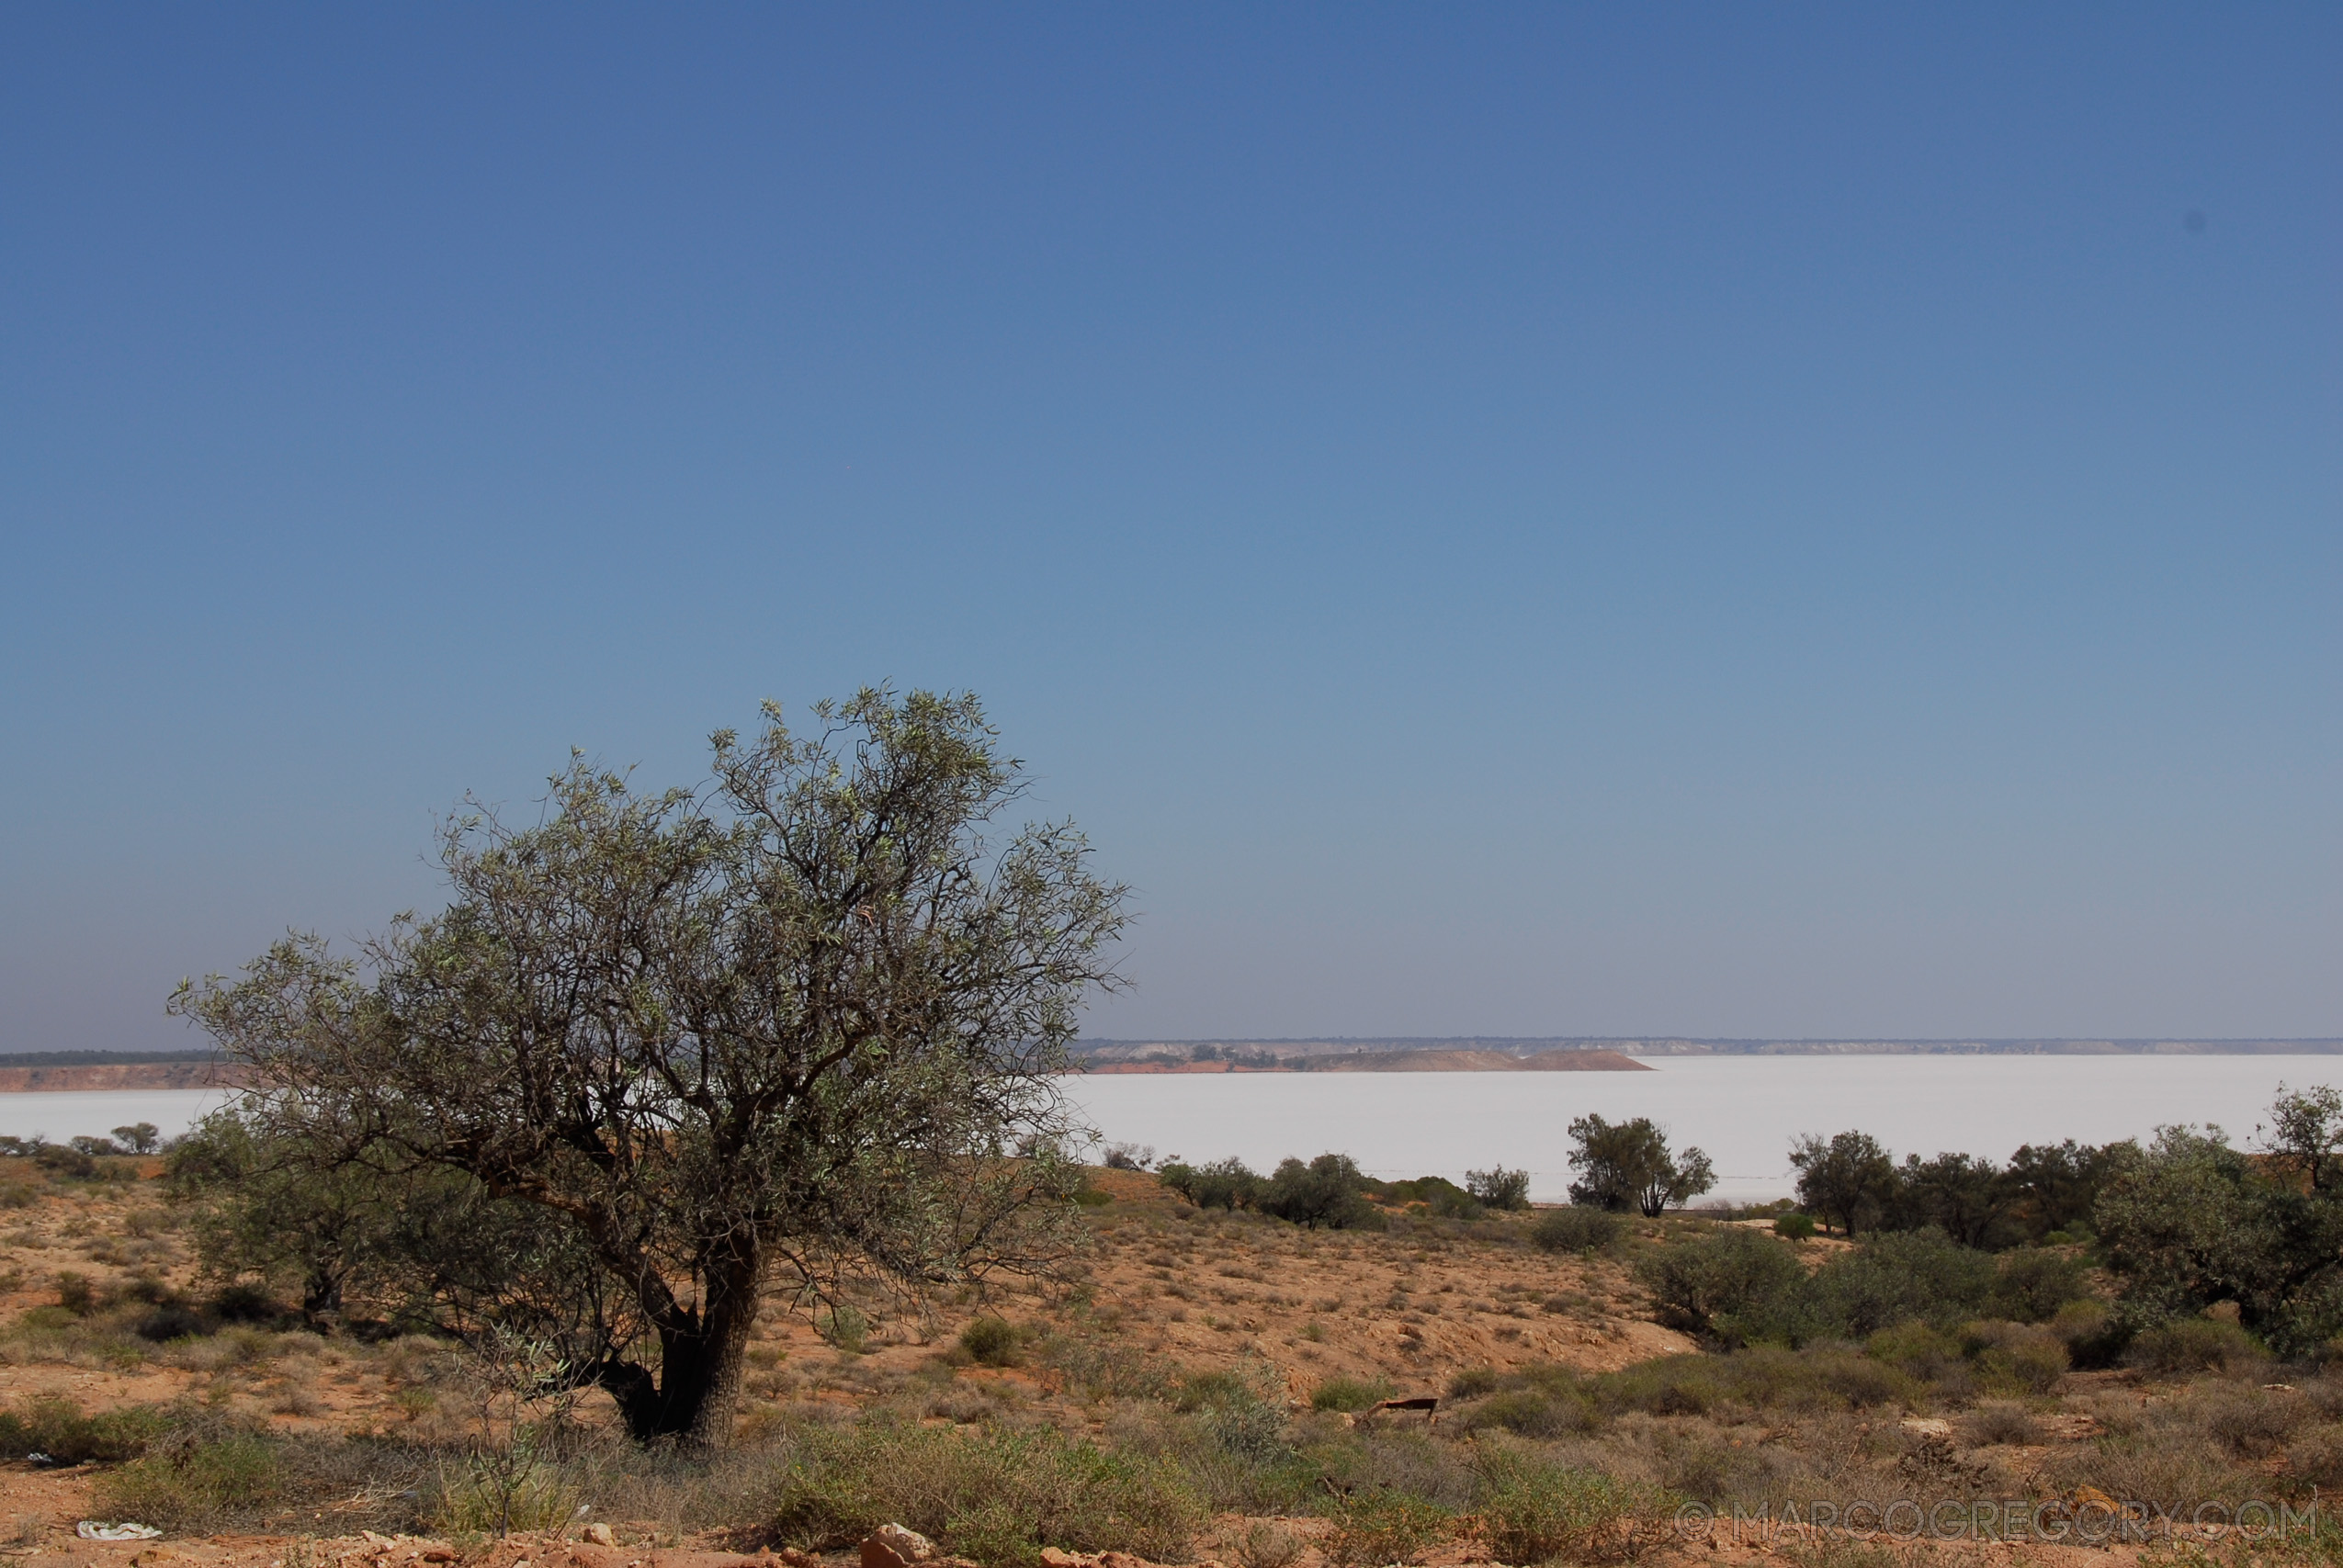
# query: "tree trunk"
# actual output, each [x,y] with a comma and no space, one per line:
[321,1298]
[693,1399]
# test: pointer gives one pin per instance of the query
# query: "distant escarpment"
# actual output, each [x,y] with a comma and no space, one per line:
[203,1073]
[1479,1062]
[1460,1061]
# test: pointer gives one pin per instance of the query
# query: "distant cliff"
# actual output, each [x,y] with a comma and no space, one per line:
[202,1073]
[1359,1055]
[1479,1062]
[1466,1061]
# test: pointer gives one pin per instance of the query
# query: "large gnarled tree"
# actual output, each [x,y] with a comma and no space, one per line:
[808,1012]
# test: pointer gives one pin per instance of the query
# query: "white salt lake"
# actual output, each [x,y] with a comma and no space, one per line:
[70,1114]
[1743,1109]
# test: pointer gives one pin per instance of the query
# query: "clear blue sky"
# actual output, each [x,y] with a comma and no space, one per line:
[1730,520]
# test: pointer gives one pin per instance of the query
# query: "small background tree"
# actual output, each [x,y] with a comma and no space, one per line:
[1848,1179]
[1499,1188]
[1627,1164]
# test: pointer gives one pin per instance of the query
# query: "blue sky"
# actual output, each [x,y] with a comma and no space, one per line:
[1806,521]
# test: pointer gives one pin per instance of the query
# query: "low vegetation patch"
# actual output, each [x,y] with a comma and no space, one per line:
[998,1497]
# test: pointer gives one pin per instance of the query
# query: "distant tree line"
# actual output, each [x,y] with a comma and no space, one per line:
[1855,1185]
[2188,1226]
[1331,1193]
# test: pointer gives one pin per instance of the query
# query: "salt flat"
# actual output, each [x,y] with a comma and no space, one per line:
[1744,1111]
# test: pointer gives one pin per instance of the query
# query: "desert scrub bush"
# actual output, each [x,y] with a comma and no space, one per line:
[1532,1513]
[2165,1470]
[205,1472]
[1410,1462]
[1926,1354]
[1906,1277]
[2000,1421]
[995,1495]
[2247,1422]
[1733,1286]
[991,1341]
[1498,1187]
[1763,1377]
[76,1293]
[1264,1545]
[1576,1228]
[1240,1410]
[193,1479]
[1475,1382]
[172,1321]
[1794,1225]
[1373,1529]
[1533,1413]
[1106,1371]
[2193,1345]
[1348,1393]
[2315,1460]
[60,1429]
[1329,1192]
[474,1498]
[2095,1335]
[2014,1358]
[2031,1283]
[1223,1184]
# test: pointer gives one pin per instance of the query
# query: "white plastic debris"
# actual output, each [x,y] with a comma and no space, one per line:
[90,1529]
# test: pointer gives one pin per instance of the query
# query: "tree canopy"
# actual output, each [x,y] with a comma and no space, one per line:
[804,1017]
[1627,1164]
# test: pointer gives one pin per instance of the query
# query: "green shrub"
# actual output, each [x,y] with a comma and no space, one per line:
[1105,1370]
[2095,1336]
[1576,1228]
[1917,1350]
[991,1341]
[1373,1529]
[171,1322]
[76,1293]
[245,1303]
[1906,1277]
[844,1326]
[1498,1187]
[1474,1381]
[1329,1192]
[2033,1283]
[1860,1381]
[994,1534]
[489,1497]
[63,1160]
[1525,1511]
[1240,1410]
[993,1495]
[1437,1194]
[1672,1385]
[2192,1345]
[1794,1224]
[58,1429]
[1534,1412]
[2016,1358]
[1348,1393]
[191,1480]
[1736,1286]
[1223,1184]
